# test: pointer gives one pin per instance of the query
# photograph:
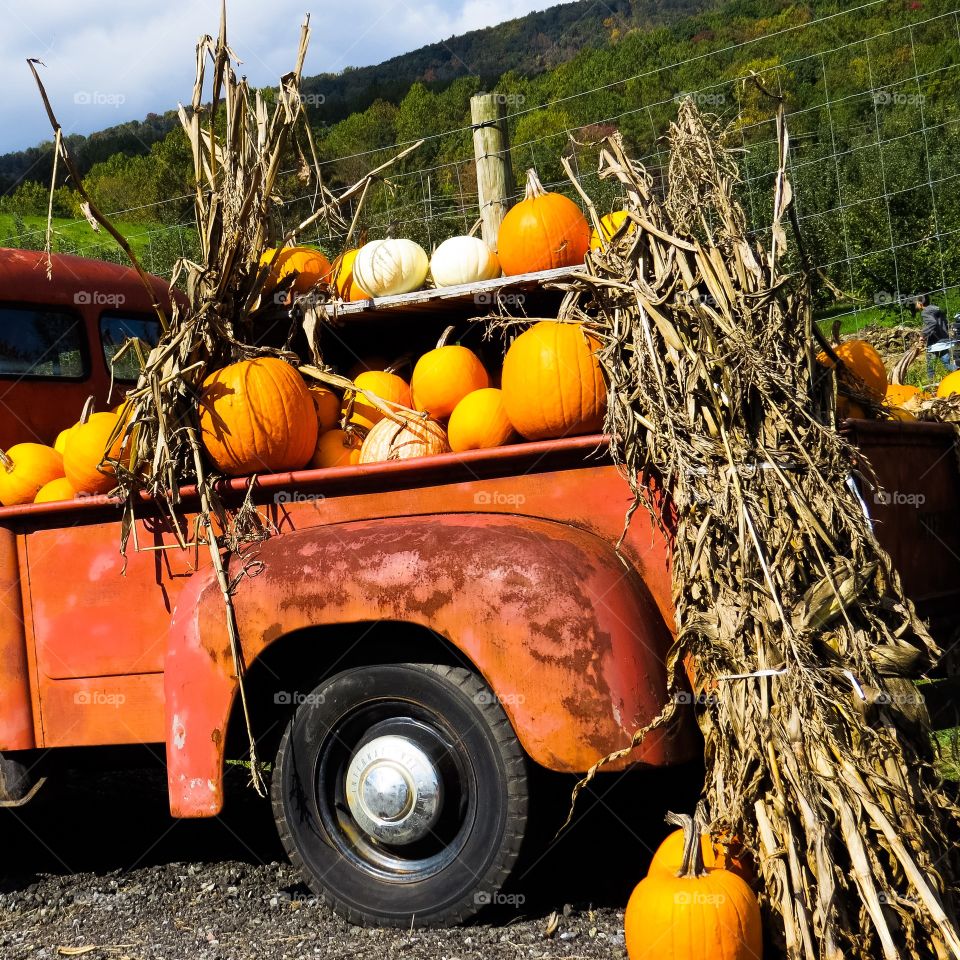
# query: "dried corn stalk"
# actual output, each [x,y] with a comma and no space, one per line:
[239,146]
[800,640]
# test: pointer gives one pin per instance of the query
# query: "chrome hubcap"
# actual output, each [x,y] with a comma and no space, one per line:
[394,790]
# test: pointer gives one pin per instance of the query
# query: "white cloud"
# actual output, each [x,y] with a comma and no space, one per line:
[109,61]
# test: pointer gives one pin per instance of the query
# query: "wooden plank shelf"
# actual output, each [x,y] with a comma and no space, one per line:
[482,296]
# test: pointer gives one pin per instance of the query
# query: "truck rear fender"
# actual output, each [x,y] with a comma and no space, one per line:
[565,635]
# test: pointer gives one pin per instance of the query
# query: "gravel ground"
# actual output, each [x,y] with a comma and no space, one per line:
[234,910]
[96,868]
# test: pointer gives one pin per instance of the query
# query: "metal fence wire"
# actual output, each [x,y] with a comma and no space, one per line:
[873,156]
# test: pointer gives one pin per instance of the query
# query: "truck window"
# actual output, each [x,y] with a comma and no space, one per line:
[115,331]
[42,342]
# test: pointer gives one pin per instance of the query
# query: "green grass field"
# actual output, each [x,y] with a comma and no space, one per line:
[949,743]
[70,235]
[886,315]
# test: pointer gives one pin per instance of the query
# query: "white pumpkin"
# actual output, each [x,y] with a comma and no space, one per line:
[401,438]
[463,260]
[387,267]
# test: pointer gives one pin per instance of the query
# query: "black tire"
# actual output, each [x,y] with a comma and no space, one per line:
[462,861]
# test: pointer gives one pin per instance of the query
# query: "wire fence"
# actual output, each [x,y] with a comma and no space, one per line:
[875,137]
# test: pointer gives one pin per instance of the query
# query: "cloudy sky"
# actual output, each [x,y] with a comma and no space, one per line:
[111,60]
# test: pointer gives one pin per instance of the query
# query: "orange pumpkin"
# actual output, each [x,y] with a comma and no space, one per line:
[85,450]
[336,448]
[386,386]
[310,266]
[542,232]
[444,376]
[949,385]
[341,276]
[900,393]
[402,438]
[702,913]
[24,469]
[669,856]
[61,442]
[864,362]
[327,405]
[552,382]
[257,416]
[55,490]
[479,421]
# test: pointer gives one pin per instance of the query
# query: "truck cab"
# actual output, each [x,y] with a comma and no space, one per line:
[58,337]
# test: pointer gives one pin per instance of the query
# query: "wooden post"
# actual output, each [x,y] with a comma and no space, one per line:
[491,147]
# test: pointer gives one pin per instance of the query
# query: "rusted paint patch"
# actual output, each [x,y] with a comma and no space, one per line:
[515,595]
[178,733]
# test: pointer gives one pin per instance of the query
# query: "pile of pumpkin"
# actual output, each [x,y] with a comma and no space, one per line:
[72,467]
[543,231]
[260,416]
[865,376]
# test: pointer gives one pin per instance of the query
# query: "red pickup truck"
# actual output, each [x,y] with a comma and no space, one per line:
[418,635]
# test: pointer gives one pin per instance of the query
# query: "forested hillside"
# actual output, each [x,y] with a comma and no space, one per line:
[529,45]
[872,96]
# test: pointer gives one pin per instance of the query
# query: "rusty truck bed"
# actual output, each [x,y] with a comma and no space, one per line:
[508,554]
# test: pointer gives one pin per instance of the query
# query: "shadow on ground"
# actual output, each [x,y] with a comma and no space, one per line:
[102,822]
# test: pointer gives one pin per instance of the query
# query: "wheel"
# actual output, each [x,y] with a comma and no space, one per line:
[400,793]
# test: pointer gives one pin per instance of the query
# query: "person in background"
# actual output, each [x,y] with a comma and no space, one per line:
[955,336]
[933,327]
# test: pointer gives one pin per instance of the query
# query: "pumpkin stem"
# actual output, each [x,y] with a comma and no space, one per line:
[7,462]
[534,186]
[700,818]
[87,409]
[405,361]
[444,337]
[692,865]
